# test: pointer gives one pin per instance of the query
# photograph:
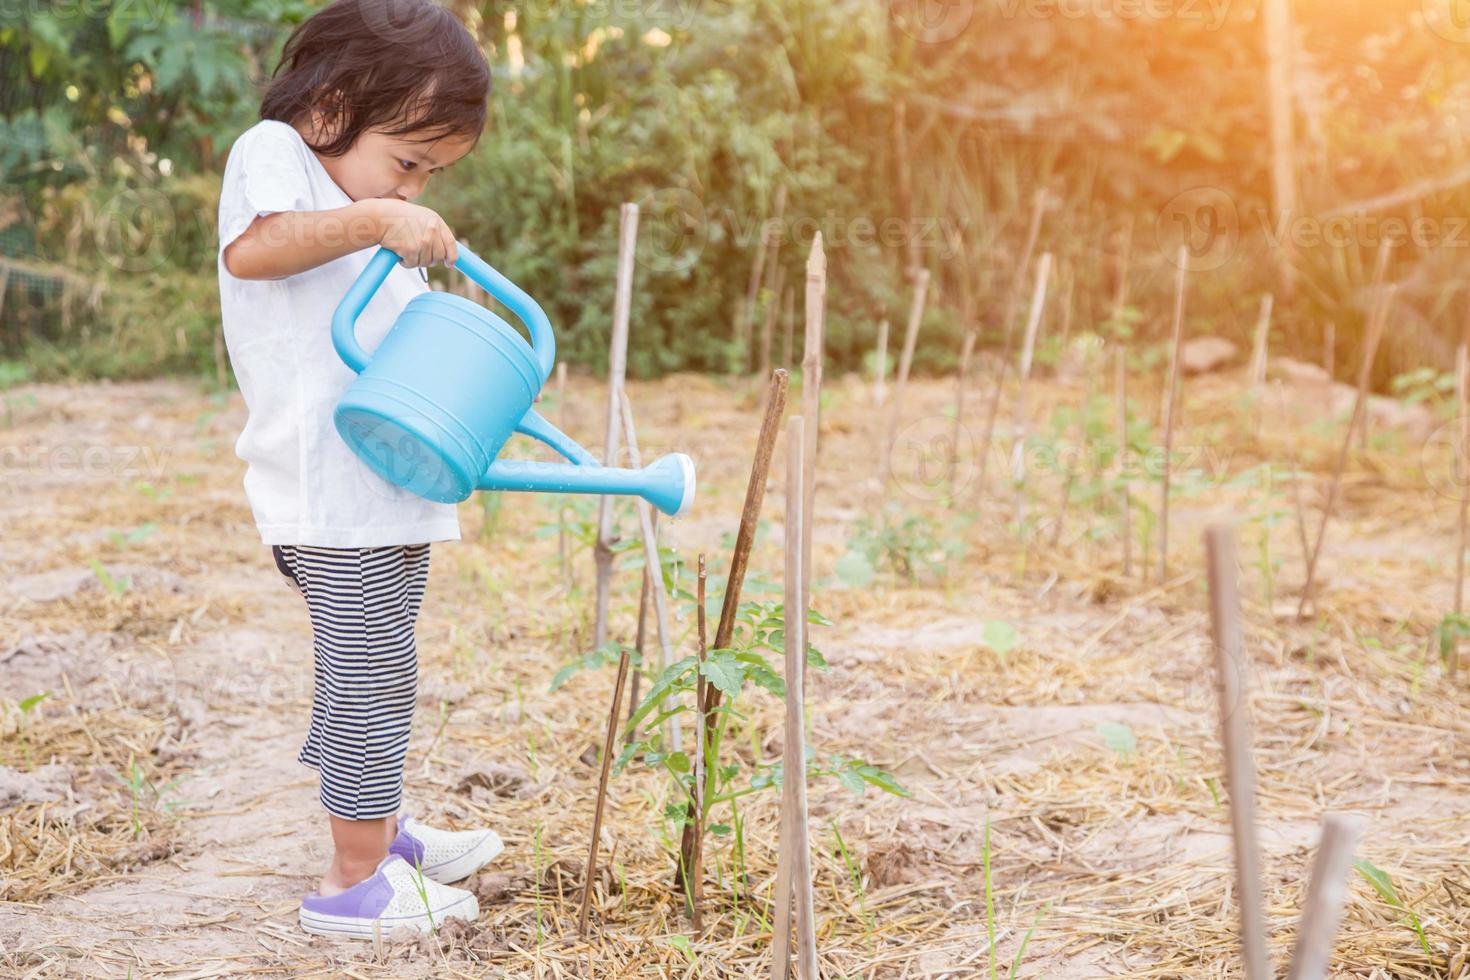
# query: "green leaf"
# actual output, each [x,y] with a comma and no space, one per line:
[681,943]
[34,700]
[719,829]
[660,689]
[725,672]
[999,635]
[677,761]
[815,659]
[883,781]
[1118,737]
[1383,884]
[852,780]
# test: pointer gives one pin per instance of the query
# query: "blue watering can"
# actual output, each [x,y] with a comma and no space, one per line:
[434,404]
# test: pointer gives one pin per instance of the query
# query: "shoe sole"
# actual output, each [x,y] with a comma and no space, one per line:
[467,863]
[353,927]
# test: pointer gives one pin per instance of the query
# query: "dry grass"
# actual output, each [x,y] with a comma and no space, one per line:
[1119,858]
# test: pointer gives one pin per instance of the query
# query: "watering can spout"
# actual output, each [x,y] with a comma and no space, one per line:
[667,483]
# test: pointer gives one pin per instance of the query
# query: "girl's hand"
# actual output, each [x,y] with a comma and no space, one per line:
[416,233]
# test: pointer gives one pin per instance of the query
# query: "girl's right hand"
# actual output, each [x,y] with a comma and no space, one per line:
[416,233]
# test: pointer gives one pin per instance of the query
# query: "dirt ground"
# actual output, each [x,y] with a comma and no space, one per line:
[136,592]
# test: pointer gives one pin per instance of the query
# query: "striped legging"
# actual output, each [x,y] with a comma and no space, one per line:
[363,603]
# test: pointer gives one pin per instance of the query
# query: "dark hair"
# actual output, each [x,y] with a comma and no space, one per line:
[395,65]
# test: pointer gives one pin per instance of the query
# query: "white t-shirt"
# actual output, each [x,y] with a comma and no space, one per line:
[304,484]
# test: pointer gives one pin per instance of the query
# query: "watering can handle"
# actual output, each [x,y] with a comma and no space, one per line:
[344,320]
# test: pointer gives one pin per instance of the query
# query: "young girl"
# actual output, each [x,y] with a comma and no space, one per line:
[371,99]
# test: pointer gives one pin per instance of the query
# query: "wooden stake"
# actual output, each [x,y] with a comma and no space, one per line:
[672,727]
[1028,350]
[793,865]
[880,368]
[905,361]
[1258,347]
[696,874]
[1462,484]
[811,399]
[1125,499]
[1171,396]
[1325,894]
[608,743]
[768,327]
[1329,349]
[1365,371]
[602,554]
[1240,773]
[755,494]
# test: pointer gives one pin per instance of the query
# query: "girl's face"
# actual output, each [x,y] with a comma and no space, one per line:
[380,165]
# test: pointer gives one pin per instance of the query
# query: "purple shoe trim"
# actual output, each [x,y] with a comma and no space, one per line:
[408,847]
[365,900]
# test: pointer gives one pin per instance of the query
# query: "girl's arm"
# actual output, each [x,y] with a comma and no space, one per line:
[288,242]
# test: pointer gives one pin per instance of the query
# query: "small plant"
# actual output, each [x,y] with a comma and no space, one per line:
[1383,885]
[139,787]
[907,545]
[116,586]
[423,890]
[1451,629]
[137,535]
[1427,386]
[26,707]
[761,630]
[1118,737]
[856,873]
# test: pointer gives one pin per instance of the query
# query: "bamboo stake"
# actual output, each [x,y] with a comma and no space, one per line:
[1170,397]
[608,742]
[811,401]
[696,871]
[1325,894]
[1125,499]
[905,361]
[1258,347]
[1365,369]
[1329,349]
[1462,483]
[755,493]
[793,866]
[1240,774]
[1028,350]
[880,369]
[672,729]
[768,326]
[602,554]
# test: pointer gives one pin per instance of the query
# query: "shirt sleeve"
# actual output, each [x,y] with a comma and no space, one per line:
[266,173]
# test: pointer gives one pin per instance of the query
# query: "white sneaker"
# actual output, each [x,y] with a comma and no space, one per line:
[445,855]
[396,895]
